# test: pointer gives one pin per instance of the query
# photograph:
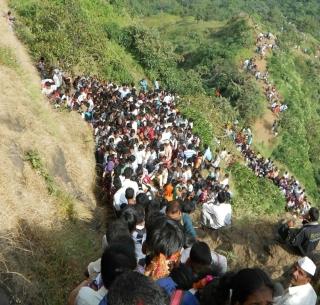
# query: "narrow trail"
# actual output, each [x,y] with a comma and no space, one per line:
[263,127]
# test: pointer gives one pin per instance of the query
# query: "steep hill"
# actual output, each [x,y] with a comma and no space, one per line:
[47,173]
[47,169]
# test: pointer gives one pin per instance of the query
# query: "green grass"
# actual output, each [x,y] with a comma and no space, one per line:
[253,195]
[65,201]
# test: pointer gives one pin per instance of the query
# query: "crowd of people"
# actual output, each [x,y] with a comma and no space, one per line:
[264,43]
[154,174]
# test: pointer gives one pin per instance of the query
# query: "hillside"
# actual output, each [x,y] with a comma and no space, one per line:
[46,184]
[48,175]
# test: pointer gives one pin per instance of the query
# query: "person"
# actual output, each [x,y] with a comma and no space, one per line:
[163,245]
[174,212]
[250,286]
[115,259]
[219,263]
[300,292]
[216,214]
[178,285]
[207,157]
[305,239]
[133,288]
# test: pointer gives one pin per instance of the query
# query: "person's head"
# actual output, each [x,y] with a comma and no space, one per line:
[115,230]
[129,216]
[142,199]
[188,206]
[250,286]
[183,277]
[133,288]
[221,197]
[173,211]
[313,214]
[303,271]
[129,193]
[164,236]
[128,172]
[200,258]
[116,259]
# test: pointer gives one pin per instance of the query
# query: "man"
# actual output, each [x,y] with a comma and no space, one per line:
[133,288]
[174,212]
[217,214]
[300,292]
[115,259]
[305,239]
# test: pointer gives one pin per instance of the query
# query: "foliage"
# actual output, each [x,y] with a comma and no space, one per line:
[254,195]
[70,35]
[299,148]
[63,199]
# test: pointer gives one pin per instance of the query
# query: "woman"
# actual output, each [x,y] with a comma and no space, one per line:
[163,246]
[250,286]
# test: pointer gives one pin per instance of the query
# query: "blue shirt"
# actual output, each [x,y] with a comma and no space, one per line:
[169,286]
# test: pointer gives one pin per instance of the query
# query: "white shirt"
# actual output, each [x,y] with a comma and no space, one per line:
[220,214]
[57,80]
[129,183]
[88,296]
[298,295]
[119,198]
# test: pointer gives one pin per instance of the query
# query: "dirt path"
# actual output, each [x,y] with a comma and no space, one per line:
[262,128]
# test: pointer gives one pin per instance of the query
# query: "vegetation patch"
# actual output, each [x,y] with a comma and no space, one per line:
[254,195]
[63,199]
[7,58]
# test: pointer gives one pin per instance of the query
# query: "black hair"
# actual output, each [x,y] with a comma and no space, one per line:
[142,199]
[140,213]
[221,197]
[188,206]
[116,259]
[200,253]
[129,193]
[164,236]
[133,288]
[243,284]
[183,277]
[115,229]
[129,215]
[128,172]
[314,214]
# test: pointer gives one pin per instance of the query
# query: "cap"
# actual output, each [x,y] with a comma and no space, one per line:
[307,265]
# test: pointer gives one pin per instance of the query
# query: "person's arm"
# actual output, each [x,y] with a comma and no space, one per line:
[188,226]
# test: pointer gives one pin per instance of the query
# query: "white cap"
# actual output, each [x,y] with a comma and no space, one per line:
[307,265]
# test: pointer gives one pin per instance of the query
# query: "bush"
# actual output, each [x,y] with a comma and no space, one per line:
[254,195]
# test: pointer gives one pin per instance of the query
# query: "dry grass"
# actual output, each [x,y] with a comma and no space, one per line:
[65,146]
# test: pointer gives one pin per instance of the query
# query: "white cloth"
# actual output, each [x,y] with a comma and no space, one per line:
[129,183]
[88,296]
[298,295]
[216,215]
[119,198]
[307,265]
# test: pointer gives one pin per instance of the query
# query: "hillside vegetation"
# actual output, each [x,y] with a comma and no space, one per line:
[194,48]
[46,185]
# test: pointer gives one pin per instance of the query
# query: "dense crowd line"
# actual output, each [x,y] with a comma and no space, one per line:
[264,43]
[154,174]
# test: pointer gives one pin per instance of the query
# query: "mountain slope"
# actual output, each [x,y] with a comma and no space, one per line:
[46,173]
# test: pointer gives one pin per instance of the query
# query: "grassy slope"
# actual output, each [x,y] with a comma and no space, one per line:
[189,36]
[35,226]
